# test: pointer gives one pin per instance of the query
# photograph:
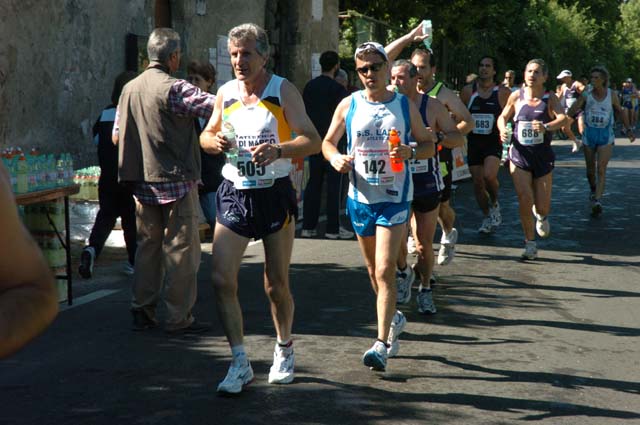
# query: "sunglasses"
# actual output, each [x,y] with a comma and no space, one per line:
[374,67]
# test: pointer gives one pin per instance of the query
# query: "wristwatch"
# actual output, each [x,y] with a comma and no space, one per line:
[546,127]
[279,153]
[440,136]
[413,153]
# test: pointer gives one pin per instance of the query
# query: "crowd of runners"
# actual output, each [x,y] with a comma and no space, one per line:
[394,211]
[398,192]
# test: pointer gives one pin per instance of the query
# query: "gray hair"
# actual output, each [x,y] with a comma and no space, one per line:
[342,74]
[251,31]
[603,73]
[162,43]
[541,63]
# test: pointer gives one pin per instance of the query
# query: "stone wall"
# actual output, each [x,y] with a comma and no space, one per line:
[58,59]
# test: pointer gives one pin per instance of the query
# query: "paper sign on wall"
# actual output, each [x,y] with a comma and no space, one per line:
[316,70]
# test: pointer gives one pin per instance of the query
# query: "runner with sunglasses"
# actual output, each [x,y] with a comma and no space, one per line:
[379,199]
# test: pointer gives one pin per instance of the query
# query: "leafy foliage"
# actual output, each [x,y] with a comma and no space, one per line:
[567,34]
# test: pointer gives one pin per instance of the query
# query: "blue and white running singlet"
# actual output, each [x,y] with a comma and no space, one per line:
[598,121]
[367,127]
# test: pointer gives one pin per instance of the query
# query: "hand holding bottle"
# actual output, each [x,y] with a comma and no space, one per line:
[397,163]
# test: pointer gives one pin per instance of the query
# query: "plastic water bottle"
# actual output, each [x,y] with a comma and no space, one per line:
[22,183]
[397,164]
[427,29]
[509,131]
[230,134]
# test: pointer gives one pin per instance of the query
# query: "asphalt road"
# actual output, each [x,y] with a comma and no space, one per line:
[550,341]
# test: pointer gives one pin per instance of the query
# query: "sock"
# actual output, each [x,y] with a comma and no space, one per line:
[285,346]
[384,342]
[238,353]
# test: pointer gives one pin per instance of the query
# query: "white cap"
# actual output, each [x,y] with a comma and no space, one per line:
[371,45]
[565,73]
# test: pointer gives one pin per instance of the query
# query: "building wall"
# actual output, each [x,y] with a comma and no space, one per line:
[58,63]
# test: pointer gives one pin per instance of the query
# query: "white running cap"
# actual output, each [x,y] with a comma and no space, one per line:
[371,45]
[565,73]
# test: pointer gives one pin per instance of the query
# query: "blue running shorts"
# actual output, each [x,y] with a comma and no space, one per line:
[365,217]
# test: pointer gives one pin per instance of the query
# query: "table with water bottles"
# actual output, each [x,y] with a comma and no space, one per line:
[42,185]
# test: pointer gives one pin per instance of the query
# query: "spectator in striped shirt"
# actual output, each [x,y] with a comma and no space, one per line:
[159,157]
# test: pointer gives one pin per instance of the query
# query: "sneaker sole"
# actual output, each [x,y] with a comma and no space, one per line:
[446,260]
[222,393]
[286,380]
[374,362]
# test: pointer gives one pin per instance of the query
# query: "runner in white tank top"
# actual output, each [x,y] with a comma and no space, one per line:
[598,105]
[257,198]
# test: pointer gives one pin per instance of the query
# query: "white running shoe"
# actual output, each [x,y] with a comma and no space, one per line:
[281,371]
[342,234]
[238,377]
[496,216]
[87,258]
[596,208]
[447,247]
[411,246]
[577,144]
[543,228]
[128,269]
[530,251]
[487,226]
[309,233]
[425,301]
[376,357]
[397,326]
[404,281]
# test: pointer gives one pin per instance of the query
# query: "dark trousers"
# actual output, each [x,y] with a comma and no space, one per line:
[115,202]
[318,168]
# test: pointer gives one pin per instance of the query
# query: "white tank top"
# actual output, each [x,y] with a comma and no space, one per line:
[263,122]
[368,125]
[598,113]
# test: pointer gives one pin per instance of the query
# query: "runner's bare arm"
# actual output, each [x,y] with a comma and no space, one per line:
[465,94]
[573,110]
[394,48]
[615,103]
[211,139]
[505,116]
[445,125]
[341,163]
[28,298]
[557,111]
[458,109]
[307,141]
[503,95]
